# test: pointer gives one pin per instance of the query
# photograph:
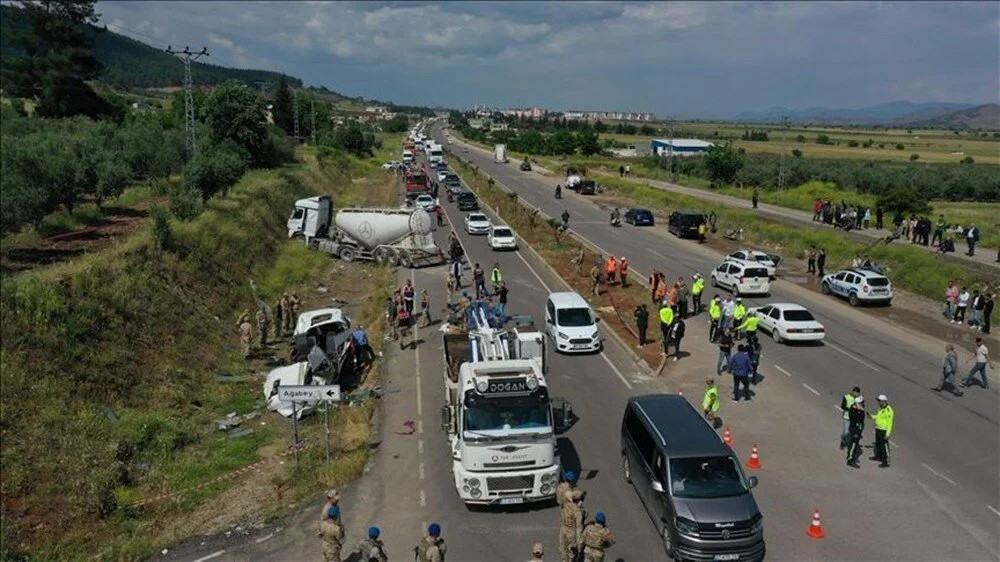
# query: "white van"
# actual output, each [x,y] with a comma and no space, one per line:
[742,277]
[571,323]
[407,157]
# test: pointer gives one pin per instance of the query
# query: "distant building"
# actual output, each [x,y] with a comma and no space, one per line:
[680,147]
[476,123]
[533,112]
[609,115]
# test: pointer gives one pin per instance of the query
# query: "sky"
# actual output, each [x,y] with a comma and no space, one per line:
[706,59]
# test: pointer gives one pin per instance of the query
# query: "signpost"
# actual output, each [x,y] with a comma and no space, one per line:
[309,393]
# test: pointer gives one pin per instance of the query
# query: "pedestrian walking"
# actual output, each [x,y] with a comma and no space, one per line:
[950,300]
[403,322]
[479,278]
[740,366]
[425,307]
[595,280]
[364,353]
[846,403]
[502,298]
[683,293]
[439,213]
[537,551]
[641,315]
[725,338]
[263,325]
[856,423]
[666,321]
[883,430]
[623,271]
[811,259]
[391,318]
[697,288]
[431,548]
[372,549]
[331,532]
[409,293]
[821,262]
[571,516]
[456,273]
[710,403]
[960,306]
[754,197]
[982,358]
[597,538]
[949,369]
[246,334]
[715,318]
[676,335]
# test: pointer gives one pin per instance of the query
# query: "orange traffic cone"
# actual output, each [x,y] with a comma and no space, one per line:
[815,529]
[727,437]
[754,461]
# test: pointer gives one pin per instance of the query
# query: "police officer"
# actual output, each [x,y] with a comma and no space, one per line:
[857,423]
[749,327]
[883,430]
[715,318]
[567,485]
[372,549]
[739,312]
[331,532]
[846,404]
[666,321]
[571,518]
[596,539]
[697,287]
[641,323]
[431,548]
[537,551]
[710,403]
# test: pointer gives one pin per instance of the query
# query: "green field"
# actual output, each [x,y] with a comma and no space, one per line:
[931,145]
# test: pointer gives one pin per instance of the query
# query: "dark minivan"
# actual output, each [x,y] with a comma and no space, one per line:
[684,224]
[689,481]
[467,201]
[586,187]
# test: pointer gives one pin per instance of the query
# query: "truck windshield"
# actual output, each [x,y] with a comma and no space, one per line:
[507,413]
[705,477]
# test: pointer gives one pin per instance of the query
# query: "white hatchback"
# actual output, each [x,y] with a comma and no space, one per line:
[787,321]
[477,223]
[742,278]
[501,237]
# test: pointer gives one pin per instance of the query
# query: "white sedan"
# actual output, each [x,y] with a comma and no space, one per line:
[442,173]
[390,165]
[426,202]
[477,223]
[768,261]
[501,237]
[786,321]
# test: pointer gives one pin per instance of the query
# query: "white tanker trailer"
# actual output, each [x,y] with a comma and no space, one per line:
[400,236]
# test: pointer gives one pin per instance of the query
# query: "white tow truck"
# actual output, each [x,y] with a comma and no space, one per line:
[499,417]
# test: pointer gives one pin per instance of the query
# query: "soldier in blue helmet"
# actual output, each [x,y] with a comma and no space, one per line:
[431,548]
[372,549]
[596,538]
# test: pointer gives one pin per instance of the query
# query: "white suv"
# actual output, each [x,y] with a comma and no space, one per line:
[859,286]
[742,277]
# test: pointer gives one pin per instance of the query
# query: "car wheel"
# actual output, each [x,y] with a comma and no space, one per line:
[853,299]
[776,335]
[668,542]
[825,288]
[626,470]
[715,282]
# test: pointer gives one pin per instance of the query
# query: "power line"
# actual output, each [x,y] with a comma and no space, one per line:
[187,56]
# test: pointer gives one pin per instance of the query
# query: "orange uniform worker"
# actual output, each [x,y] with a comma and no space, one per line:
[672,297]
[623,271]
[611,269]
[661,289]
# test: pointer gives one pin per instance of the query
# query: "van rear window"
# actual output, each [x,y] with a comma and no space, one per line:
[878,281]
[755,272]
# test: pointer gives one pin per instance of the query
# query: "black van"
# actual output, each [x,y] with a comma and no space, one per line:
[684,224]
[467,201]
[586,187]
[689,481]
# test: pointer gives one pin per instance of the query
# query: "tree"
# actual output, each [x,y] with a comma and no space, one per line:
[800,138]
[234,112]
[57,57]
[903,201]
[587,140]
[823,139]
[914,157]
[900,146]
[351,138]
[796,153]
[397,124]
[600,127]
[723,162]
[281,109]
[214,170]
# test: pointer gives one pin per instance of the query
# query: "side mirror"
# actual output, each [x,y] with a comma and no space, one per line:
[446,418]
[753,482]
[597,319]
[562,414]
[657,486]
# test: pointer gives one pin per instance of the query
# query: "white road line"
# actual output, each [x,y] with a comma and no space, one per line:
[215,554]
[855,357]
[420,426]
[811,389]
[416,357]
[420,470]
[420,446]
[938,474]
[262,539]
[615,369]
[993,509]
[533,272]
[423,499]
[782,370]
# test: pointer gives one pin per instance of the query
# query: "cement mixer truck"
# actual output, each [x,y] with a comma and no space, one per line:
[393,236]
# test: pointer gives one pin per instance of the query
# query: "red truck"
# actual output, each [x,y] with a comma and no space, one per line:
[416,183]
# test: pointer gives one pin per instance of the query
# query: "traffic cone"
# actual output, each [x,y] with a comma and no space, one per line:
[815,529]
[680,392]
[727,437]
[754,461]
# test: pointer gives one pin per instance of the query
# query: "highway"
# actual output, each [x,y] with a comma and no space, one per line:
[938,501]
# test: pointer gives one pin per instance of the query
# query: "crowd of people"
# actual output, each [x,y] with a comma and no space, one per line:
[957,301]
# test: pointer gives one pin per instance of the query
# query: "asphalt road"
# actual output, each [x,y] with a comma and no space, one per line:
[938,501]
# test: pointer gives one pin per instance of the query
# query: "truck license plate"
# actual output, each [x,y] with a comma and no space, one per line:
[727,557]
[511,501]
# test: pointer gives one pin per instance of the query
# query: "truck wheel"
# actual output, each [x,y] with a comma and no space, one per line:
[381,256]
[405,260]
[347,253]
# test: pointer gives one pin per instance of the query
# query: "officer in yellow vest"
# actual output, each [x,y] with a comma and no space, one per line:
[749,327]
[715,315]
[739,313]
[846,403]
[710,403]
[666,321]
[696,289]
[883,430]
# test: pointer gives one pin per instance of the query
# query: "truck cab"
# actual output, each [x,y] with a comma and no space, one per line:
[310,218]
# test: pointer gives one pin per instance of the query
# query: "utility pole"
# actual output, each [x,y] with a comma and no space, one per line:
[295,114]
[784,147]
[670,147]
[187,56]
[312,120]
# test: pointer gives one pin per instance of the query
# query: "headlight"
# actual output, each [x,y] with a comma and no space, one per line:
[562,335]
[545,489]
[686,526]
[465,489]
[482,386]
[546,478]
[473,482]
[757,525]
[595,335]
[476,492]
[532,384]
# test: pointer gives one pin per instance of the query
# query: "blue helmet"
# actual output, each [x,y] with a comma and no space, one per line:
[434,530]
[373,532]
[570,476]
[333,512]
[600,518]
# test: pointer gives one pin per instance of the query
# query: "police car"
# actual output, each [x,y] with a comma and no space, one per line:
[741,277]
[858,286]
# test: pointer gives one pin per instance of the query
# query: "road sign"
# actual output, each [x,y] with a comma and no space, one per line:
[309,393]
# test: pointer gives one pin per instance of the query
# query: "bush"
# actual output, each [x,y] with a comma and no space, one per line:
[852,143]
[823,139]
[214,170]
[160,226]
[914,157]
[185,202]
[900,146]
[800,138]
[797,153]
[968,160]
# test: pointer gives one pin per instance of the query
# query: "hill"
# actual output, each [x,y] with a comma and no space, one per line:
[986,116]
[885,113]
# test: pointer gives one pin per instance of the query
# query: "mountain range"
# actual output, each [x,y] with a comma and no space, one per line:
[896,113]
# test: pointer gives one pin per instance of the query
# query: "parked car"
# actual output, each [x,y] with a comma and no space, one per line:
[586,187]
[477,223]
[525,166]
[639,217]
[684,224]
[467,201]
[741,278]
[501,237]
[858,286]
[769,261]
[390,165]
[787,321]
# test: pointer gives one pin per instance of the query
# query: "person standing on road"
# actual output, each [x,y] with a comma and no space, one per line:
[672,295]
[666,322]
[982,357]
[408,293]
[661,288]
[623,271]
[977,304]
[725,337]
[431,548]
[949,369]
[425,308]
[846,403]
[496,276]
[567,485]
[856,422]
[749,328]
[811,259]
[439,213]
[565,219]
[596,539]
[390,317]
[676,335]
[883,430]
[682,297]
[971,237]
[641,315]
[611,269]
[710,403]
[372,549]
[479,278]
[739,313]
[331,532]
[702,232]
[502,299]
[697,288]
[715,318]
[821,262]
[456,273]
[962,304]
[595,280]
[403,321]
[571,517]
[740,367]
[728,309]
[950,299]
[987,312]
[754,197]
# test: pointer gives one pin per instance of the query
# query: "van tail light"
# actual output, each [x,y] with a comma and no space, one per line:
[864,288]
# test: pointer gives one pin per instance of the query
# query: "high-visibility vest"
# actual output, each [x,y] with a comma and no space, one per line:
[666,315]
[714,310]
[610,266]
[883,419]
[711,399]
[739,312]
[849,400]
[750,324]
[698,287]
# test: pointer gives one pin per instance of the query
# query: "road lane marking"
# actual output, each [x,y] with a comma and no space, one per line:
[420,446]
[423,499]
[939,475]
[416,357]
[615,369]
[782,370]
[420,470]
[993,509]
[215,554]
[420,426]
[533,272]
[959,521]
[855,357]
[811,389]
[262,539]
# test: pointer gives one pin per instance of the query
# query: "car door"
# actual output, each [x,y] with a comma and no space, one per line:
[721,273]
[850,280]
[765,320]
[837,284]
[774,318]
